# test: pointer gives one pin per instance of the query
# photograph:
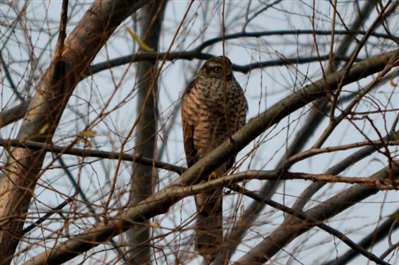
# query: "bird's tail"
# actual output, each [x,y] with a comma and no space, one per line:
[209,226]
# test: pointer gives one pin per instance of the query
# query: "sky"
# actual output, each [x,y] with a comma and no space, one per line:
[106,102]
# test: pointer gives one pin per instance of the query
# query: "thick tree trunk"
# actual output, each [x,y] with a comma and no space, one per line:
[162,200]
[143,177]
[45,109]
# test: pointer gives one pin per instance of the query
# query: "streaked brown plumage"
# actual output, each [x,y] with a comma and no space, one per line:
[213,108]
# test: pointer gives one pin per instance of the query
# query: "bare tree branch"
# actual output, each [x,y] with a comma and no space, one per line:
[44,112]
[315,115]
[197,53]
[292,227]
[194,54]
[144,177]
[9,78]
[341,166]
[347,33]
[161,201]
[251,174]
[68,150]
[81,207]
[13,114]
[388,226]
[305,218]
[313,120]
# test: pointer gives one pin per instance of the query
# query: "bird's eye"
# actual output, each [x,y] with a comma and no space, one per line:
[217,69]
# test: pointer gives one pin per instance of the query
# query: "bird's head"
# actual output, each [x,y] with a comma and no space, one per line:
[217,67]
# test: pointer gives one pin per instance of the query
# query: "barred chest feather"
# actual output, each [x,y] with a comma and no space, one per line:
[217,108]
[212,110]
[220,96]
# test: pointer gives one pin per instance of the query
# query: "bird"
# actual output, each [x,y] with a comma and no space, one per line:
[213,108]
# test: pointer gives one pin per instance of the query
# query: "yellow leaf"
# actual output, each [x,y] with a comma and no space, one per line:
[155,225]
[88,134]
[44,128]
[139,41]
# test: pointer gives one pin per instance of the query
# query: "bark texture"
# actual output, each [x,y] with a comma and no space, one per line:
[44,112]
[144,176]
[317,114]
[161,201]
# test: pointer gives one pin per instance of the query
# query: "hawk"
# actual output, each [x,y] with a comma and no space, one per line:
[213,108]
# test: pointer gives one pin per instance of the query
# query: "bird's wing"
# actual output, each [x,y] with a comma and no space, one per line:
[188,118]
[189,148]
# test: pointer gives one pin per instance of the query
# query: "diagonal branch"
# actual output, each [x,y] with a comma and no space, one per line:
[144,177]
[293,227]
[161,201]
[17,112]
[308,219]
[45,110]
[388,226]
[13,114]
[68,150]
[312,121]
[197,53]
[281,109]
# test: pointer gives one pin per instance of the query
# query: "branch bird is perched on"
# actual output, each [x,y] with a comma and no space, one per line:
[213,108]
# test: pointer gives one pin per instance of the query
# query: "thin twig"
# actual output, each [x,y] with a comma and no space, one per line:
[89,153]
[193,54]
[373,238]
[160,202]
[310,220]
